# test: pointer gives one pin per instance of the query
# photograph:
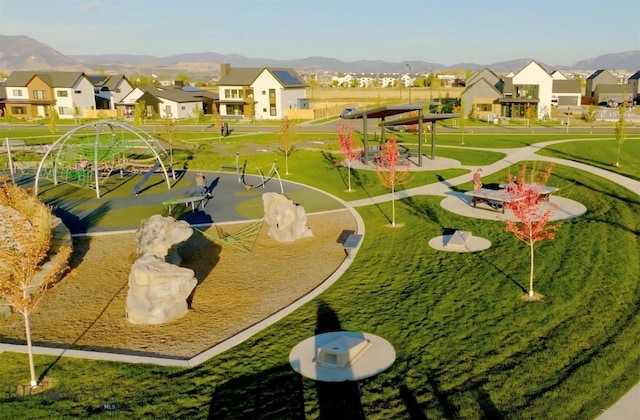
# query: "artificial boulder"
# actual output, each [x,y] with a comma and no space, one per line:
[158,286]
[287,221]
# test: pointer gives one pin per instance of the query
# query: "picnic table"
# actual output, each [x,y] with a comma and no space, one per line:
[543,191]
[194,202]
[496,199]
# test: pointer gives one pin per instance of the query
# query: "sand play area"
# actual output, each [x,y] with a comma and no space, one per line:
[235,290]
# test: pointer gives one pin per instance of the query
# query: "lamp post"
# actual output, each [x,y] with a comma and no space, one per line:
[410,82]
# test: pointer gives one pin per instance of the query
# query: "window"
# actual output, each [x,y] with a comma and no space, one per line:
[62,93]
[264,92]
[18,110]
[527,91]
[17,92]
[272,93]
[64,110]
[39,94]
[483,107]
[273,111]
[77,91]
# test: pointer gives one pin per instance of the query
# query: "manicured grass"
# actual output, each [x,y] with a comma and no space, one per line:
[601,153]
[467,345]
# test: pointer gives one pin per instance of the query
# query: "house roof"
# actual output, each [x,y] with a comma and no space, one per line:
[245,76]
[566,86]
[611,88]
[109,81]
[60,79]
[288,78]
[170,93]
[241,76]
[596,74]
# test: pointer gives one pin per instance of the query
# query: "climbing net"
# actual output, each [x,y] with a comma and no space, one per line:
[243,239]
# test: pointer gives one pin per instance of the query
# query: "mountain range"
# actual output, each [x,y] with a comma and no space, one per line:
[21,52]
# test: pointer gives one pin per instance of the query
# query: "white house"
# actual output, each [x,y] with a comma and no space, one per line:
[260,93]
[110,89]
[165,102]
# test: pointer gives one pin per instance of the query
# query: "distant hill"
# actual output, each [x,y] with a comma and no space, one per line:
[24,53]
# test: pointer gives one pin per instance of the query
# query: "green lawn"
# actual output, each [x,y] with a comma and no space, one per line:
[467,345]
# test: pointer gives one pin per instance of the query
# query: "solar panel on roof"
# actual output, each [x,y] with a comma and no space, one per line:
[286,77]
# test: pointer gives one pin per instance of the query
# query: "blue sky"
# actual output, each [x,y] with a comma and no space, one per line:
[554,32]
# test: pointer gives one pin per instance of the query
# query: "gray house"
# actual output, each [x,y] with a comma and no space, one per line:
[598,77]
[634,82]
[566,93]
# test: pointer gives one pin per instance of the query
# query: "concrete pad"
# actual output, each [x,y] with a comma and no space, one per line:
[436,164]
[474,245]
[367,356]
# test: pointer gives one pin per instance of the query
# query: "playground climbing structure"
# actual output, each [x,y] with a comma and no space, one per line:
[88,155]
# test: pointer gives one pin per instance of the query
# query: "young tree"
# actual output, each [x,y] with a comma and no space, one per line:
[390,172]
[529,115]
[348,147]
[533,223]
[287,137]
[23,252]
[168,131]
[590,116]
[620,131]
[52,119]
[139,113]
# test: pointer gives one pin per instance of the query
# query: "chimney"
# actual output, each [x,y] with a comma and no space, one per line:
[225,68]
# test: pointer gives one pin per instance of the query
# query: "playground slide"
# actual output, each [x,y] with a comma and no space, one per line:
[145,177]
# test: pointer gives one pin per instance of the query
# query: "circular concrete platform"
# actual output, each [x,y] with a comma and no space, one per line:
[475,244]
[369,356]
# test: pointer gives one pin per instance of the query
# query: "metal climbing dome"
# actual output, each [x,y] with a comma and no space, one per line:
[89,154]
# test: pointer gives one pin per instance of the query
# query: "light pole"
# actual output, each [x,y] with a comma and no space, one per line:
[410,82]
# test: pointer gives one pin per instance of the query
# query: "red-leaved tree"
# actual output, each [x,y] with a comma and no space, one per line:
[348,147]
[391,172]
[533,221]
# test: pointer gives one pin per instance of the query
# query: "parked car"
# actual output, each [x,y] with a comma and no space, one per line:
[348,111]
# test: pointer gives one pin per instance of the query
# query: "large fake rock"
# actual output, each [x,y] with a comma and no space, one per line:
[287,221]
[158,287]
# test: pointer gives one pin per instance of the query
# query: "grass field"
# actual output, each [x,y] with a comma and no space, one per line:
[467,345]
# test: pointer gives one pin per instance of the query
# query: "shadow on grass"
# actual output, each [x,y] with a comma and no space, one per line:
[337,400]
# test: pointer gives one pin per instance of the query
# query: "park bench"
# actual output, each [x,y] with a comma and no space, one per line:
[194,202]
[351,243]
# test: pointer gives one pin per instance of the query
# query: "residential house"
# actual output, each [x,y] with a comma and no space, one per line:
[604,77]
[29,94]
[634,82]
[110,89]
[531,88]
[566,93]
[261,93]
[483,97]
[612,94]
[164,102]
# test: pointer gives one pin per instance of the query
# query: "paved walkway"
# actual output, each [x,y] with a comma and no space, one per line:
[627,408]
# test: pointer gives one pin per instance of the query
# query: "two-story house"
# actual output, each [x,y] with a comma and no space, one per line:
[634,82]
[532,89]
[598,77]
[110,89]
[261,93]
[29,94]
